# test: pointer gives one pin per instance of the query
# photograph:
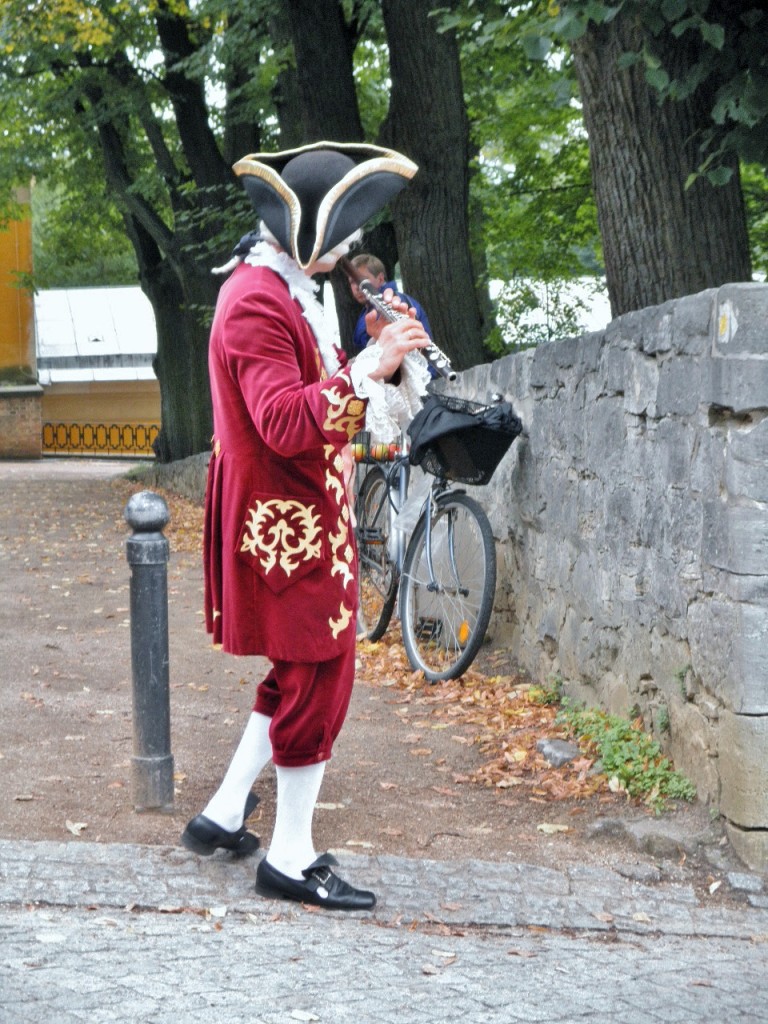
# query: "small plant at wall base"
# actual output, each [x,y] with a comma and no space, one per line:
[549,694]
[629,757]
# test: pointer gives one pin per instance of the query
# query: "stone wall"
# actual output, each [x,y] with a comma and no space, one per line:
[632,528]
[20,422]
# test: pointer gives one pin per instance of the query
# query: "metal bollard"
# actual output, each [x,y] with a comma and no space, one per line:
[147,552]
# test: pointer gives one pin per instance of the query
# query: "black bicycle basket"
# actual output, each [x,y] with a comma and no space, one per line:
[462,440]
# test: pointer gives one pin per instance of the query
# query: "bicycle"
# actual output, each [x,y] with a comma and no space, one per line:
[380,549]
[446,574]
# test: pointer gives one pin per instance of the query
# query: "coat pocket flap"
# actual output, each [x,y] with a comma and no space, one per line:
[282,539]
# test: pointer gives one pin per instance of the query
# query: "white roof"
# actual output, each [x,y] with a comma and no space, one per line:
[86,334]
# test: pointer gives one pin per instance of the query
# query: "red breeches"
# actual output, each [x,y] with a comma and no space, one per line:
[307,702]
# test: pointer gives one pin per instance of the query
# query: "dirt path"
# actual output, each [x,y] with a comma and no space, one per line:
[401,778]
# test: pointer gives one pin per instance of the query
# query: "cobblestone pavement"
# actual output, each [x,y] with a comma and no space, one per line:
[98,933]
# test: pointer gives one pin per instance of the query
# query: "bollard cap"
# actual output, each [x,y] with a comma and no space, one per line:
[147,512]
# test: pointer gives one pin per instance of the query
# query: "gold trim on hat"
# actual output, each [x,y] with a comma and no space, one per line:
[380,161]
[401,166]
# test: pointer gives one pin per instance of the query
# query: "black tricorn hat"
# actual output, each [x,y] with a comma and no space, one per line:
[314,197]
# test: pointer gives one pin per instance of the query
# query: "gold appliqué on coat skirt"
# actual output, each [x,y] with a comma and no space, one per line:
[339,624]
[282,532]
[344,413]
[335,485]
[341,551]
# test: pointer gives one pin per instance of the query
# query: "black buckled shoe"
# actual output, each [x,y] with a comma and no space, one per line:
[204,837]
[321,886]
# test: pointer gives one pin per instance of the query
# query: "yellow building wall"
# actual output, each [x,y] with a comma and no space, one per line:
[101,417]
[134,401]
[17,320]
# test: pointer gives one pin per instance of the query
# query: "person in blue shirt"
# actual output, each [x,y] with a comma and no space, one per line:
[374,270]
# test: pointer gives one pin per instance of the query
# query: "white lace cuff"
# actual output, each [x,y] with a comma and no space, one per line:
[390,408]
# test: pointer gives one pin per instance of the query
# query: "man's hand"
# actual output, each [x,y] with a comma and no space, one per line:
[397,338]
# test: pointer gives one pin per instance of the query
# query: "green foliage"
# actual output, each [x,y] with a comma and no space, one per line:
[98,253]
[630,758]
[662,719]
[546,695]
[754,183]
[530,312]
[531,177]
[728,46]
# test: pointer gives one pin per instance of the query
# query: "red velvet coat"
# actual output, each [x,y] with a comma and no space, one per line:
[279,553]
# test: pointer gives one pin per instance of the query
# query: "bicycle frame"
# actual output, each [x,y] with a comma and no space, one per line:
[439,487]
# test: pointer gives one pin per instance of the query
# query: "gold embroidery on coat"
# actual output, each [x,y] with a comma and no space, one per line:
[284,532]
[340,624]
[334,473]
[334,484]
[344,412]
[341,552]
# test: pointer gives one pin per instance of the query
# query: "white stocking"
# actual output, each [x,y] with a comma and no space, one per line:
[291,849]
[225,807]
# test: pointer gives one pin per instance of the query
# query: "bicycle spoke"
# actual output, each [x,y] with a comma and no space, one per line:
[377,573]
[445,614]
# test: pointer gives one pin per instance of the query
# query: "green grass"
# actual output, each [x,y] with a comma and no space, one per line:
[630,758]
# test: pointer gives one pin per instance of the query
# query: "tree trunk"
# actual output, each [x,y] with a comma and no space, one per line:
[177,293]
[428,122]
[324,46]
[181,365]
[660,240]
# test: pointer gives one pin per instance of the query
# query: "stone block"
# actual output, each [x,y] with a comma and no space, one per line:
[589,349]
[614,370]
[729,652]
[672,454]
[627,331]
[751,847]
[691,747]
[750,670]
[624,515]
[657,329]
[708,462]
[740,384]
[641,385]
[743,766]
[746,464]
[739,322]
[606,435]
[691,323]
[545,368]
[735,537]
[679,392]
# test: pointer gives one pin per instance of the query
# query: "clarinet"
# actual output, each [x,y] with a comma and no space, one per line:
[434,356]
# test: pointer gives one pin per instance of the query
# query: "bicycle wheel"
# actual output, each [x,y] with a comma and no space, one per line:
[377,573]
[444,622]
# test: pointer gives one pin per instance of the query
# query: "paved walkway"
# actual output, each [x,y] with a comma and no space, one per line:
[95,932]
[100,933]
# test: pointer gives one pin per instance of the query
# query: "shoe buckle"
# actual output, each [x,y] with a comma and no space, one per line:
[323,874]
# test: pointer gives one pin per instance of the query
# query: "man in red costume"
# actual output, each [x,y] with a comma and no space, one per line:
[279,550]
